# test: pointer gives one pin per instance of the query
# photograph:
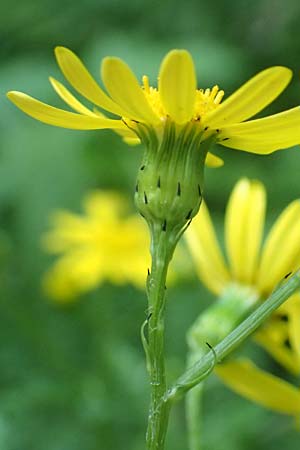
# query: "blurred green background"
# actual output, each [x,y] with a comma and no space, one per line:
[73,377]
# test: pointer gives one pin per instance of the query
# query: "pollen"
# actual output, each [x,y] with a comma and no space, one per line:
[205,101]
[153,98]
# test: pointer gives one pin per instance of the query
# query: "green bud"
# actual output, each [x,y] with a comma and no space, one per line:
[170,179]
[217,321]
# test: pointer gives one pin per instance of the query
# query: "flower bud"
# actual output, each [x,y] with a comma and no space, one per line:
[170,179]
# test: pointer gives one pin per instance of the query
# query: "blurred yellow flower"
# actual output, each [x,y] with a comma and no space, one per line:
[104,244]
[142,110]
[255,271]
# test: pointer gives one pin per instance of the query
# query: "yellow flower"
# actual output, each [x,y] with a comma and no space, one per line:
[177,99]
[104,244]
[177,122]
[254,270]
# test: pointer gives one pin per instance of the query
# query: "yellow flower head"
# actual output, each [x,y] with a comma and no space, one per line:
[176,98]
[248,264]
[255,269]
[177,122]
[104,244]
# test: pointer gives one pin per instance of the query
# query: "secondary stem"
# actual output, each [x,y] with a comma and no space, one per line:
[193,407]
[158,417]
[202,368]
[213,325]
[194,416]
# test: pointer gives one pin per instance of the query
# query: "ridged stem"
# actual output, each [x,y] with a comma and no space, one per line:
[194,410]
[162,250]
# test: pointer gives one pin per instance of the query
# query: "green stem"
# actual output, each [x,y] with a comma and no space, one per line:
[201,369]
[214,324]
[162,250]
[194,416]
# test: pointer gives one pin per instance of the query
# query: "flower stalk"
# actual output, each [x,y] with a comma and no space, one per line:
[162,250]
[168,195]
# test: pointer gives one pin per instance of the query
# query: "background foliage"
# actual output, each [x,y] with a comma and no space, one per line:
[72,377]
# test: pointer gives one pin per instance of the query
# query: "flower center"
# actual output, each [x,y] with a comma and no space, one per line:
[206,100]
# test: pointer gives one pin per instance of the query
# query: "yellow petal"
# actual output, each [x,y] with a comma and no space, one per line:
[213,161]
[105,207]
[281,252]
[131,141]
[129,137]
[58,117]
[293,306]
[269,338]
[69,98]
[251,98]
[124,88]
[244,224]
[68,231]
[58,285]
[243,377]
[80,78]
[126,132]
[205,251]
[265,135]
[177,85]
[77,271]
